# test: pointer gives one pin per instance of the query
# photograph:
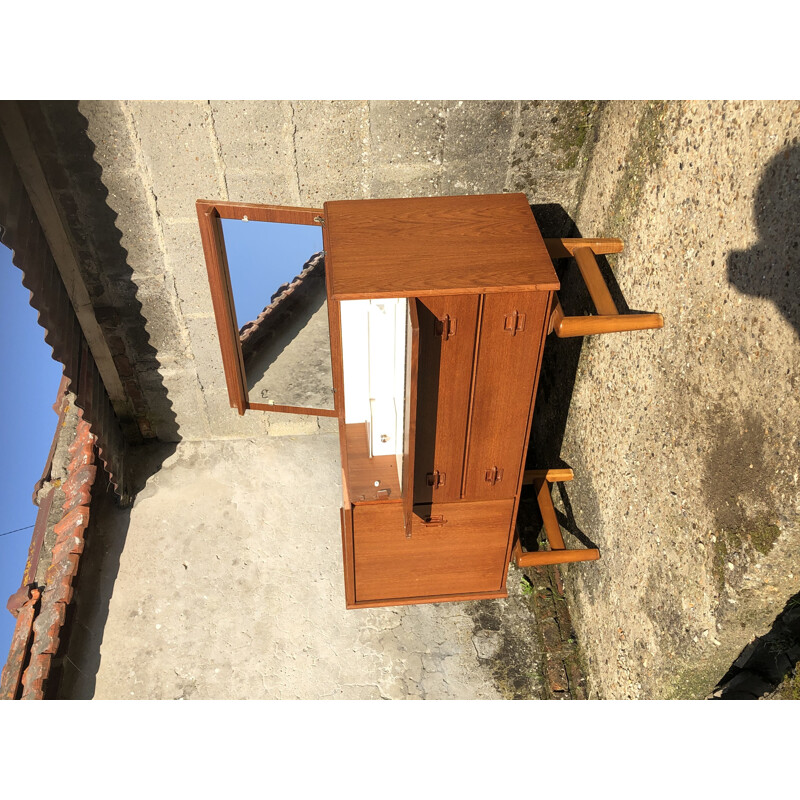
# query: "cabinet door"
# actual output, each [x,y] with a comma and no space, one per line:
[451,549]
[447,328]
[266,273]
[509,350]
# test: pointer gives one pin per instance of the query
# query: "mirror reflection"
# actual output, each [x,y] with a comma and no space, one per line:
[278,280]
[374,366]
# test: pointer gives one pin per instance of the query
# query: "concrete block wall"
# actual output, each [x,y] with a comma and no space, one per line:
[158,158]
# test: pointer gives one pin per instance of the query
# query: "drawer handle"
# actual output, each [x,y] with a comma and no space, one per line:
[514,323]
[445,327]
[436,479]
[494,475]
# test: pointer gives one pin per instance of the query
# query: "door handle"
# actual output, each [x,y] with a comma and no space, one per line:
[493,475]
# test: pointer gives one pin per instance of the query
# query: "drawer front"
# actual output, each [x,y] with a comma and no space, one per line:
[454,548]
[508,361]
[447,328]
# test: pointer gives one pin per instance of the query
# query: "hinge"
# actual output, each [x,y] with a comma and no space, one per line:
[514,323]
[320,221]
[494,475]
[436,479]
[445,327]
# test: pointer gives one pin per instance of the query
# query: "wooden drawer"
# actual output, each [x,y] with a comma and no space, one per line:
[447,328]
[509,353]
[461,551]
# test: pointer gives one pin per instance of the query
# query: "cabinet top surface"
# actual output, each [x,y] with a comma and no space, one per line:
[435,245]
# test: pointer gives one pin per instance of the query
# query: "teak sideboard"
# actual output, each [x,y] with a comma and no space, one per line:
[446,303]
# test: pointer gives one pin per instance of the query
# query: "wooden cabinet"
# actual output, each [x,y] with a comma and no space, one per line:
[437,311]
[435,520]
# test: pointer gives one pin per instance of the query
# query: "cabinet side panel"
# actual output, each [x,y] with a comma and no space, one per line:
[447,331]
[506,371]
[464,553]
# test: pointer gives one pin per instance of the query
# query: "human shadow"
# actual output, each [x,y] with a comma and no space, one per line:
[771,268]
[763,664]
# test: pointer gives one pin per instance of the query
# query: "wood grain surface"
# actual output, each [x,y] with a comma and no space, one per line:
[506,370]
[410,410]
[419,247]
[465,554]
[363,471]
[443,394]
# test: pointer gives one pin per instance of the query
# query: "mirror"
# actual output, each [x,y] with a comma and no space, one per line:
[277,279]
[377,393]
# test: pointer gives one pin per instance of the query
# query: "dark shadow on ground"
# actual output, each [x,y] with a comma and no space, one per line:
[557,378]
[74,671]
[765,662]
[771,267]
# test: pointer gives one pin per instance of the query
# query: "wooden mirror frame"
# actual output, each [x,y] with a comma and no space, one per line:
[210,215]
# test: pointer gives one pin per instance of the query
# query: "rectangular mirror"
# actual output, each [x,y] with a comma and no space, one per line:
[378,389]
[277,272]
[266,270]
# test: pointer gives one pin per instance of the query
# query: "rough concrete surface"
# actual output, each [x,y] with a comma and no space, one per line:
[224,579]
[685,440]
[150,161]
[229,585]
[293,367]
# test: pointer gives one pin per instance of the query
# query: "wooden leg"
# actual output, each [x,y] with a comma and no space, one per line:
[564,248]
[551,527]
[558,552]
[607,319]
[565,327]
[543,557]
[551,475]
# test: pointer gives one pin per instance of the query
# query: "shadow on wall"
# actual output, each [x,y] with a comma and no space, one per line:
[770,268]
[74,672]
[67,155]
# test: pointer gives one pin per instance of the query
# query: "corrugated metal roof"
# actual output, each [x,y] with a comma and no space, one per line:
[20,231]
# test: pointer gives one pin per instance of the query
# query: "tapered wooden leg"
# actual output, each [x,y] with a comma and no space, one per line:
[558,552]
[551,527]
[564,248]
[542,557]
[608,319]
[566,327]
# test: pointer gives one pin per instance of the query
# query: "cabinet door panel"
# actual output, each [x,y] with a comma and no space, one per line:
[509,349]
[463,550]
[447,330]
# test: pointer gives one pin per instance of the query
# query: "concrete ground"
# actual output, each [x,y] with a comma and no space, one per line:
[685,441]
[224,581]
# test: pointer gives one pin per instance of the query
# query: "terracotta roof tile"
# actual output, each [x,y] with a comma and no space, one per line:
[288,294]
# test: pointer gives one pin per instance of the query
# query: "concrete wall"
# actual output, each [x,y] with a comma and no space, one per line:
[158,158]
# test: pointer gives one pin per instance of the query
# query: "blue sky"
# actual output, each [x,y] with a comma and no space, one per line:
[27,425]
[262,256]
